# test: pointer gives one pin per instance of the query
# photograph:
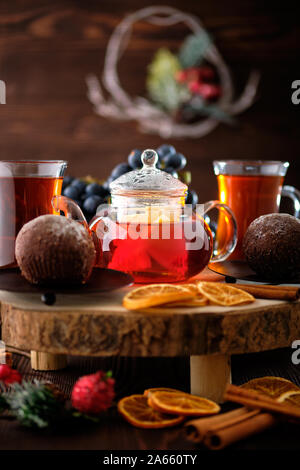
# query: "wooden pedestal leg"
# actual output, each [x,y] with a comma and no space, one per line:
[47,361]
[210,375]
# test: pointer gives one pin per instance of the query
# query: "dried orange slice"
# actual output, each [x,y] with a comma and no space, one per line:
[182,404]
[192,287]
[155,294]
[273,387]
[197,301]
[160,389]
[222,294]
[136,411]
[291,398]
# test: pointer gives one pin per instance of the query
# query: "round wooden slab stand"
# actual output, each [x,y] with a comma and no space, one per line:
[98,325]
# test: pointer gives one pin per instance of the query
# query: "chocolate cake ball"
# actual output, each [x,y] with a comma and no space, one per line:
[54,250]
[272,246]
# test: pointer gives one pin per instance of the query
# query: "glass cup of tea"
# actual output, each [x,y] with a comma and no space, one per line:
[26,190]
[251,189]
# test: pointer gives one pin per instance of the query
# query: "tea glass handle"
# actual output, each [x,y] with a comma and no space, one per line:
[294,194]
[222,253]
[69,208]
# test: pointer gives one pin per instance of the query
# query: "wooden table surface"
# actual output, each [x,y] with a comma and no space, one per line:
[133,376]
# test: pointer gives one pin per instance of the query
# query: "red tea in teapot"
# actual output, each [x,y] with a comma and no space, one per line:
[153,253]
[149,231]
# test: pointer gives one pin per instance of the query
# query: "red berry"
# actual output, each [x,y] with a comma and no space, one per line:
[194,87]
[209,92]
[195,74]
[8,375]
[205,73]
[93,393]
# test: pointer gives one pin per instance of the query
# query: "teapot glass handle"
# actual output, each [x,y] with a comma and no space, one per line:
[294,194]
[230,239]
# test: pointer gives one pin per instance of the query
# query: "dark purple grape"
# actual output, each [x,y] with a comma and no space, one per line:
[91,203]
[120,170]
[191,197]
[165,150]
[107,183]
[134,159]
[83,196]
[81,185]
[95,188]
[78,202]
[171,171]
[67,181]
[176,161]
[71,191]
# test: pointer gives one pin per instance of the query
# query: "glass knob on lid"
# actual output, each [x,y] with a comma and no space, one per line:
[148,181]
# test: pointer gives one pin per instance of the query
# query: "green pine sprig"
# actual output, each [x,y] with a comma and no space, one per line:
[34,404]
[3,404]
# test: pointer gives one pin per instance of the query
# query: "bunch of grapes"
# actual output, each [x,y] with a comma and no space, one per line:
[89,193]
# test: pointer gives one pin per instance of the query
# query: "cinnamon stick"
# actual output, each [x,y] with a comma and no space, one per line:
[220,431]
[220,438]
[196,429]
[255,400]
[264,291]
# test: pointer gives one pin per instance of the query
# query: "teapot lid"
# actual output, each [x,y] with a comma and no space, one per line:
[148,180]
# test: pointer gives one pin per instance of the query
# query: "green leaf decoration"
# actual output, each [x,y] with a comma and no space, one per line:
[200,107]
[161,84]
[34,405]
[194,49]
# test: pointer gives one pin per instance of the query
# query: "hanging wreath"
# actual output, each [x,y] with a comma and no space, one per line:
[189,94]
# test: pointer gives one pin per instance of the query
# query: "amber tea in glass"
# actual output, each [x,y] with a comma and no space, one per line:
[26,190]
[250,189]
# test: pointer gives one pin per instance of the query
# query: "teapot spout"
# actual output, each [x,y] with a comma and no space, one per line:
[69,208]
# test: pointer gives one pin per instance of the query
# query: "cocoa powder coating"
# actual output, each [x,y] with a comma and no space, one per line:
[52,250]
[272,246]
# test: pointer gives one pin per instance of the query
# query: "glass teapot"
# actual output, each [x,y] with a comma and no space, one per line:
[148,231]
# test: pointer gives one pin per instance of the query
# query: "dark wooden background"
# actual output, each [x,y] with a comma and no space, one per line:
[48,47]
